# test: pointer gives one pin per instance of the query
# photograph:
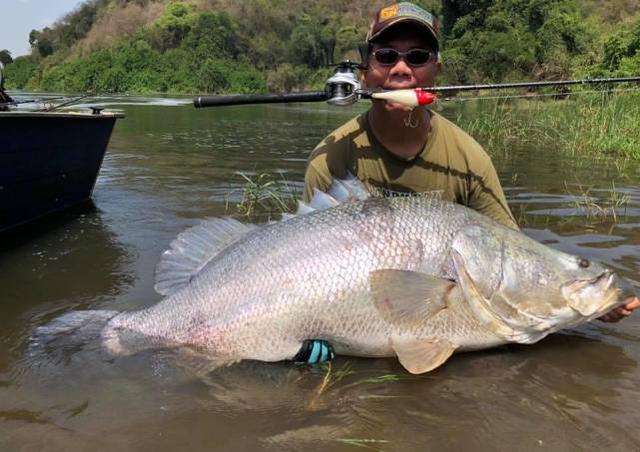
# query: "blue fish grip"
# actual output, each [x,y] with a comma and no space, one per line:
[314,351]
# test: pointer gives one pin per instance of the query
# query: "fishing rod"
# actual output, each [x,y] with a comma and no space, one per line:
[28,101]
[9,102]
[65,104]
[42,101]
[343,88]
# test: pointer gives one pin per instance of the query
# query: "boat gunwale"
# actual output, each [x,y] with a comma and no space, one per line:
[87,115]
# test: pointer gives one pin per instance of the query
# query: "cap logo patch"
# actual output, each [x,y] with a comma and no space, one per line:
[389,12]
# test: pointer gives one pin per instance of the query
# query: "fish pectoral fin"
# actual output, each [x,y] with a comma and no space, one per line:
[408,297]
[422,355]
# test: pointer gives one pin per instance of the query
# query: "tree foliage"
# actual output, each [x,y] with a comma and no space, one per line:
[20,71]
[68,30]
[517,38]
[5,57]
[622,52]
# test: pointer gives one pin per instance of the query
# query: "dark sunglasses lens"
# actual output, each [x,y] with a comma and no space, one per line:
[417,57]
[386,56]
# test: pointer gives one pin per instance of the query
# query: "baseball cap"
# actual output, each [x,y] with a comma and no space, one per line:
[403,12]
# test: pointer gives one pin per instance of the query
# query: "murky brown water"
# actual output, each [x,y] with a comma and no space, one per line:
[169,165]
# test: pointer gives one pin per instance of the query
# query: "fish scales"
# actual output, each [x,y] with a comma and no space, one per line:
[308,277]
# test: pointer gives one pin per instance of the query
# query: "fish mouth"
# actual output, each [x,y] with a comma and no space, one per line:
[596,296]
[609,281]
[628,288]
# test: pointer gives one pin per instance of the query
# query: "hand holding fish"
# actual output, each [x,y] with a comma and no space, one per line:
[619,313]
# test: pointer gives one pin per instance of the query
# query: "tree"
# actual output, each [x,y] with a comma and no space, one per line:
[20,72]
[5,57]
[33,37]
[41,42]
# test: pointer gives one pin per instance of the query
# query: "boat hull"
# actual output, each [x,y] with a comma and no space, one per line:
[49,162]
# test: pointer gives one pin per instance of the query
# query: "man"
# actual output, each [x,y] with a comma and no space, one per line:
[397,148]
[5,99]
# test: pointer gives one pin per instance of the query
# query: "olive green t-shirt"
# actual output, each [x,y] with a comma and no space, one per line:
[451,162]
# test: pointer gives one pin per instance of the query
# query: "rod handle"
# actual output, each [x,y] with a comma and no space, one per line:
[219,101]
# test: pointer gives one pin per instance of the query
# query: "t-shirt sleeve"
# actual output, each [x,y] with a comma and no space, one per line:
[317,176]
[329,159]
[487,196]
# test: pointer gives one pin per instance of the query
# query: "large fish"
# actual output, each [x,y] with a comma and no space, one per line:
[413,277]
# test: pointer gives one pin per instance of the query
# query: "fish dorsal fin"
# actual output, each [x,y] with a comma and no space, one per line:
[322,200]
[348,189]
[407,297]
[192,249]
[421,355]
[340,191]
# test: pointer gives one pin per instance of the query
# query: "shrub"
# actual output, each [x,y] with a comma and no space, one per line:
[19,72]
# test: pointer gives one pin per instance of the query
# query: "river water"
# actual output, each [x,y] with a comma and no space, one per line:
[169,165]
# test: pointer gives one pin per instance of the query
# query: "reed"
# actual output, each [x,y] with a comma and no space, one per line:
[365,443]
[593,123]
[592,207]
[264,195]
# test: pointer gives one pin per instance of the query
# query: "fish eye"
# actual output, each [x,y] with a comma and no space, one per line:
[584,263]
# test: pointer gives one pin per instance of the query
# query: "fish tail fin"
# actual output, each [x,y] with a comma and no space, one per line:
[70,331]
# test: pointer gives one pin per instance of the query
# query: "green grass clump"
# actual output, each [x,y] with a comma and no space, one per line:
[263,195]
[594,123]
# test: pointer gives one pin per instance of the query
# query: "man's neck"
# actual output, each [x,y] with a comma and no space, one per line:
[403,133]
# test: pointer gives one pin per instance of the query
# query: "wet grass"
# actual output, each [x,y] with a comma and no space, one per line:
[592,123]
[611,208]
[333,375]
[264,195]
[366,443]
[592,207]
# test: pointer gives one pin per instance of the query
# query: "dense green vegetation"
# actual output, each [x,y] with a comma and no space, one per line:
[187,46]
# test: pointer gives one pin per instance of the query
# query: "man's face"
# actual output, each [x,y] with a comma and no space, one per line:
[400,75]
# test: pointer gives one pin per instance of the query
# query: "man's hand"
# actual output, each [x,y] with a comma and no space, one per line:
[623,311]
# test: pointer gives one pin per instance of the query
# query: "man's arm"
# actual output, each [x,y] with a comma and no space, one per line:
[487,196]
[317,176]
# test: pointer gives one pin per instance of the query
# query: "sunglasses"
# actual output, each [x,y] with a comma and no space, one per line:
[414,57]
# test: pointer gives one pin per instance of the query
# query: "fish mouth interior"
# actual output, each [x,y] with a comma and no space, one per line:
[595,296]
[607,277]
